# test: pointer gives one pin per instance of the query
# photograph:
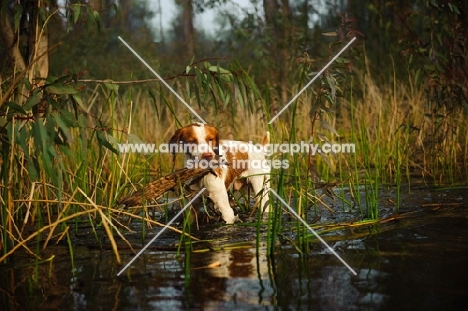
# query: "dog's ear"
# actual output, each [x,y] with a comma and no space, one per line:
[175,141]
[216,148]
[214,132]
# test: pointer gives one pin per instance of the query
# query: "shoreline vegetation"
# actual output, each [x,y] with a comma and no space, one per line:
[59,135]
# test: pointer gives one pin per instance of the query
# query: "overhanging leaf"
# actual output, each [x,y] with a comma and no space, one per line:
[325,125]
[332,84]
[61,89]
[76,8]
[342,60]
[223,73]
[134,139]
[17,17]
[33,100]
[97,20]
[112,86]
[104,142]
[33,168]
[63,126]
[15,107]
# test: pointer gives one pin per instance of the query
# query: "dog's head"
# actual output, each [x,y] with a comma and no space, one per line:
[196,140]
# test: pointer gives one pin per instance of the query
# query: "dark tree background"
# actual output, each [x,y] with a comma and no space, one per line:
[422,41]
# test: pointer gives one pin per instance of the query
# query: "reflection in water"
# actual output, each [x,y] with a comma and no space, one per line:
[241,279]
[417,262]
[236,263]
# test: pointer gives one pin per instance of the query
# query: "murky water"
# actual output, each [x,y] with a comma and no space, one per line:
[415,262]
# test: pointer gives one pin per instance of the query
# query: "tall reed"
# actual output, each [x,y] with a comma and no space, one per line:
[398,134]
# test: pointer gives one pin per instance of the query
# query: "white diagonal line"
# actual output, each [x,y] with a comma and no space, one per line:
[160,232]
[313,79]
[312,230]
[161,79]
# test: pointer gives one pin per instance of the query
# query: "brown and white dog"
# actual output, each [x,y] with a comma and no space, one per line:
[234,163]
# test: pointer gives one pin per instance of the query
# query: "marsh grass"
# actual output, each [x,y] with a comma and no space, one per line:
[397,131]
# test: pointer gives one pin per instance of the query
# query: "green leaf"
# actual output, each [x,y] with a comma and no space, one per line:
[134,139]
[51,79]
[66,151]
[76,99]
[49,125]
[112,86]
[218,69]
[48,156]
[21,139]
[325,125]
[90,20]
[201,79]
[343,60]
[15,107]
[97,20]
[68,118]
[63,126]
[53,103]
[417,76]
[103,142]
[199,75]
[226,99]
[36,135]
[239,90]
[223,73]
[76,8]
[33,100]
[220,92]
[42,147]
[332,83]
[27,84]
[51,151]
[453,8]
[33,168]
[17,17]
[111,139]
[429,67]
[322,137]
[61,89]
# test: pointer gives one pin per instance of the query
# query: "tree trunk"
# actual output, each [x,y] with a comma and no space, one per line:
[11,43]
[284,50]
[188,28]
[39,44]
[277,19]
[38,41]
[11,40]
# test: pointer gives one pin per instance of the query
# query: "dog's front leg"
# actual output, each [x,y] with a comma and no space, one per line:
[218,194]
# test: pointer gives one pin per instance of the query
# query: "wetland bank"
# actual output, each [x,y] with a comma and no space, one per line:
[395,209]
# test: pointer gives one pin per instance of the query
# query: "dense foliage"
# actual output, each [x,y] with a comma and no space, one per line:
[70,91]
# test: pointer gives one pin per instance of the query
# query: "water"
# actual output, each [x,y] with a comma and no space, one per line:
[416,262]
